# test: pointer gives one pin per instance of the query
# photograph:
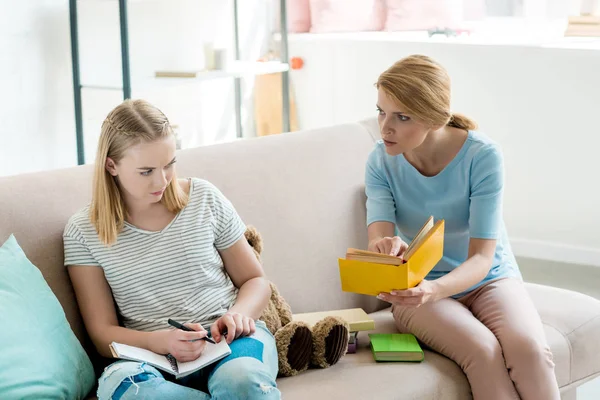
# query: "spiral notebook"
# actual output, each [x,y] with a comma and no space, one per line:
[212,353]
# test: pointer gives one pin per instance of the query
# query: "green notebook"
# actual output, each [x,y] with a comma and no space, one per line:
[395,347]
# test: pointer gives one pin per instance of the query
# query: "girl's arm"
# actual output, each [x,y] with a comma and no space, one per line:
[247,274]
[95,301]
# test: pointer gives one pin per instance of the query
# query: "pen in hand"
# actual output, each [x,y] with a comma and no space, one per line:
[185,328]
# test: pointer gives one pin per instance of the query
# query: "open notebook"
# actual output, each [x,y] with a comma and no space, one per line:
[211,354]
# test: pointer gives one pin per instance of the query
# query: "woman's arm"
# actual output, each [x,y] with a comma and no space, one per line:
[95,301]
[382,239]
[379,230]
[485,218]
[469,273]
[472,271]
[247,274]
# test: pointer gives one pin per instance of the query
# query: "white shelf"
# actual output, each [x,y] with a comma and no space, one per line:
[558,41]
[236,69]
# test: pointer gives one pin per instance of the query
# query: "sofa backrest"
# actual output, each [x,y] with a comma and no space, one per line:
[303,191]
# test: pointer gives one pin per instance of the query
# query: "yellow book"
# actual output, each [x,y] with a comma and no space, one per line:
[357,318]
[373,273]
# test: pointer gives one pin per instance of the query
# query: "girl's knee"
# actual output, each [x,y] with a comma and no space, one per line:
[116,374]
[243,375]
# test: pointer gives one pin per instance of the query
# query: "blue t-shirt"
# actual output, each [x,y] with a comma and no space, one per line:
[467,194]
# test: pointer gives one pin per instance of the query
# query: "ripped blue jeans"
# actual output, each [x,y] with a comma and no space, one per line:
[249,372]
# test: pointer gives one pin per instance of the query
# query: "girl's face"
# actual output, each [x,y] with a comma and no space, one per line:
[146,170]
[399,131]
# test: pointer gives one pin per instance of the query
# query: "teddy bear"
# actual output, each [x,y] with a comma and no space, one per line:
[300,346]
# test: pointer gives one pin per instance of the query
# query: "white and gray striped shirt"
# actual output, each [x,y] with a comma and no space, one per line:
[173,273]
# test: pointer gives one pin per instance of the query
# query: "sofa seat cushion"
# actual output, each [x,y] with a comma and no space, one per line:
[571,322]
[358,376]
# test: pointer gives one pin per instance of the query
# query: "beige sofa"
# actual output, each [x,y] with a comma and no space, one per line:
[304,192]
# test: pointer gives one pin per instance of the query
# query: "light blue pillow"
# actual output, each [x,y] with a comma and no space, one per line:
[40,356]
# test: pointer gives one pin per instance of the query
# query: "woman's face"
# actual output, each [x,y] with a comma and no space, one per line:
[146,170]
[399,131]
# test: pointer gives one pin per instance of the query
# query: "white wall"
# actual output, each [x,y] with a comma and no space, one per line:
[37,128]
[541,104]
[36,111]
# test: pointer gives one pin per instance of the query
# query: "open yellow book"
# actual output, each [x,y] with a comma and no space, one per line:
[371,273]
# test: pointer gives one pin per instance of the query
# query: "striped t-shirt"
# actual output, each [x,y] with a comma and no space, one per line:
[173,273]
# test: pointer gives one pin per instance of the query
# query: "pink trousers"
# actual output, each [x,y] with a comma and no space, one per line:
[494,334]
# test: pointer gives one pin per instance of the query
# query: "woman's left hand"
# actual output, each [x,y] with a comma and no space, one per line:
[424,292]
[234,324]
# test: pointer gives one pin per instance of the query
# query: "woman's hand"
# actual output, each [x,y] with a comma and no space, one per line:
[393,246]
[233,325]
[424,292]
[184,346]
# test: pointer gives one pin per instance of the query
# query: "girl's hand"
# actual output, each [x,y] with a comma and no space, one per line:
[424,292]
[233,325]
[393,246]
[184,346]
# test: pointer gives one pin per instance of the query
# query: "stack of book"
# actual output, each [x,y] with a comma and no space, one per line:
[583,25]
[353,342]
[396,347]
[358,320]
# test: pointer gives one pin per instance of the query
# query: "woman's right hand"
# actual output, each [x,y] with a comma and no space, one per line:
[393,246]
[184,346]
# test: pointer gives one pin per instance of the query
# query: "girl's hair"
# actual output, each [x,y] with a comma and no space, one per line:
[423,86]
[130,123]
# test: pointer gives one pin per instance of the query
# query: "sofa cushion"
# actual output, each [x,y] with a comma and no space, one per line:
[41,356]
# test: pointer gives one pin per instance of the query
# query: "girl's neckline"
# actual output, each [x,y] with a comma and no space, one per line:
[449,166]
[135,228]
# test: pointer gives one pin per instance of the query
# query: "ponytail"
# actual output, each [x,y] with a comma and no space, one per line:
[461,121]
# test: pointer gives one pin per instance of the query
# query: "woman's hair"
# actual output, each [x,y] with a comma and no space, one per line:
[130,123]
[423,86]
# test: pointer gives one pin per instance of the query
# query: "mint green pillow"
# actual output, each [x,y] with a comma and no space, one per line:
[40,356]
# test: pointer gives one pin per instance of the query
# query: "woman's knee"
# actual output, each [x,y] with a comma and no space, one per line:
[522,348]
[243,376]
[482,351]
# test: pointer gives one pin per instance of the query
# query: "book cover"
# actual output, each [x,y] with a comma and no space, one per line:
[167,363]
[396,347]
[372,273]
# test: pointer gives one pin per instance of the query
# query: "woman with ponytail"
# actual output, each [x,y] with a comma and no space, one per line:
[472,307]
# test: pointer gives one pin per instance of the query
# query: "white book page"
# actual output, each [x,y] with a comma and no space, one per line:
[212,352]
[139,354]
[420,235]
